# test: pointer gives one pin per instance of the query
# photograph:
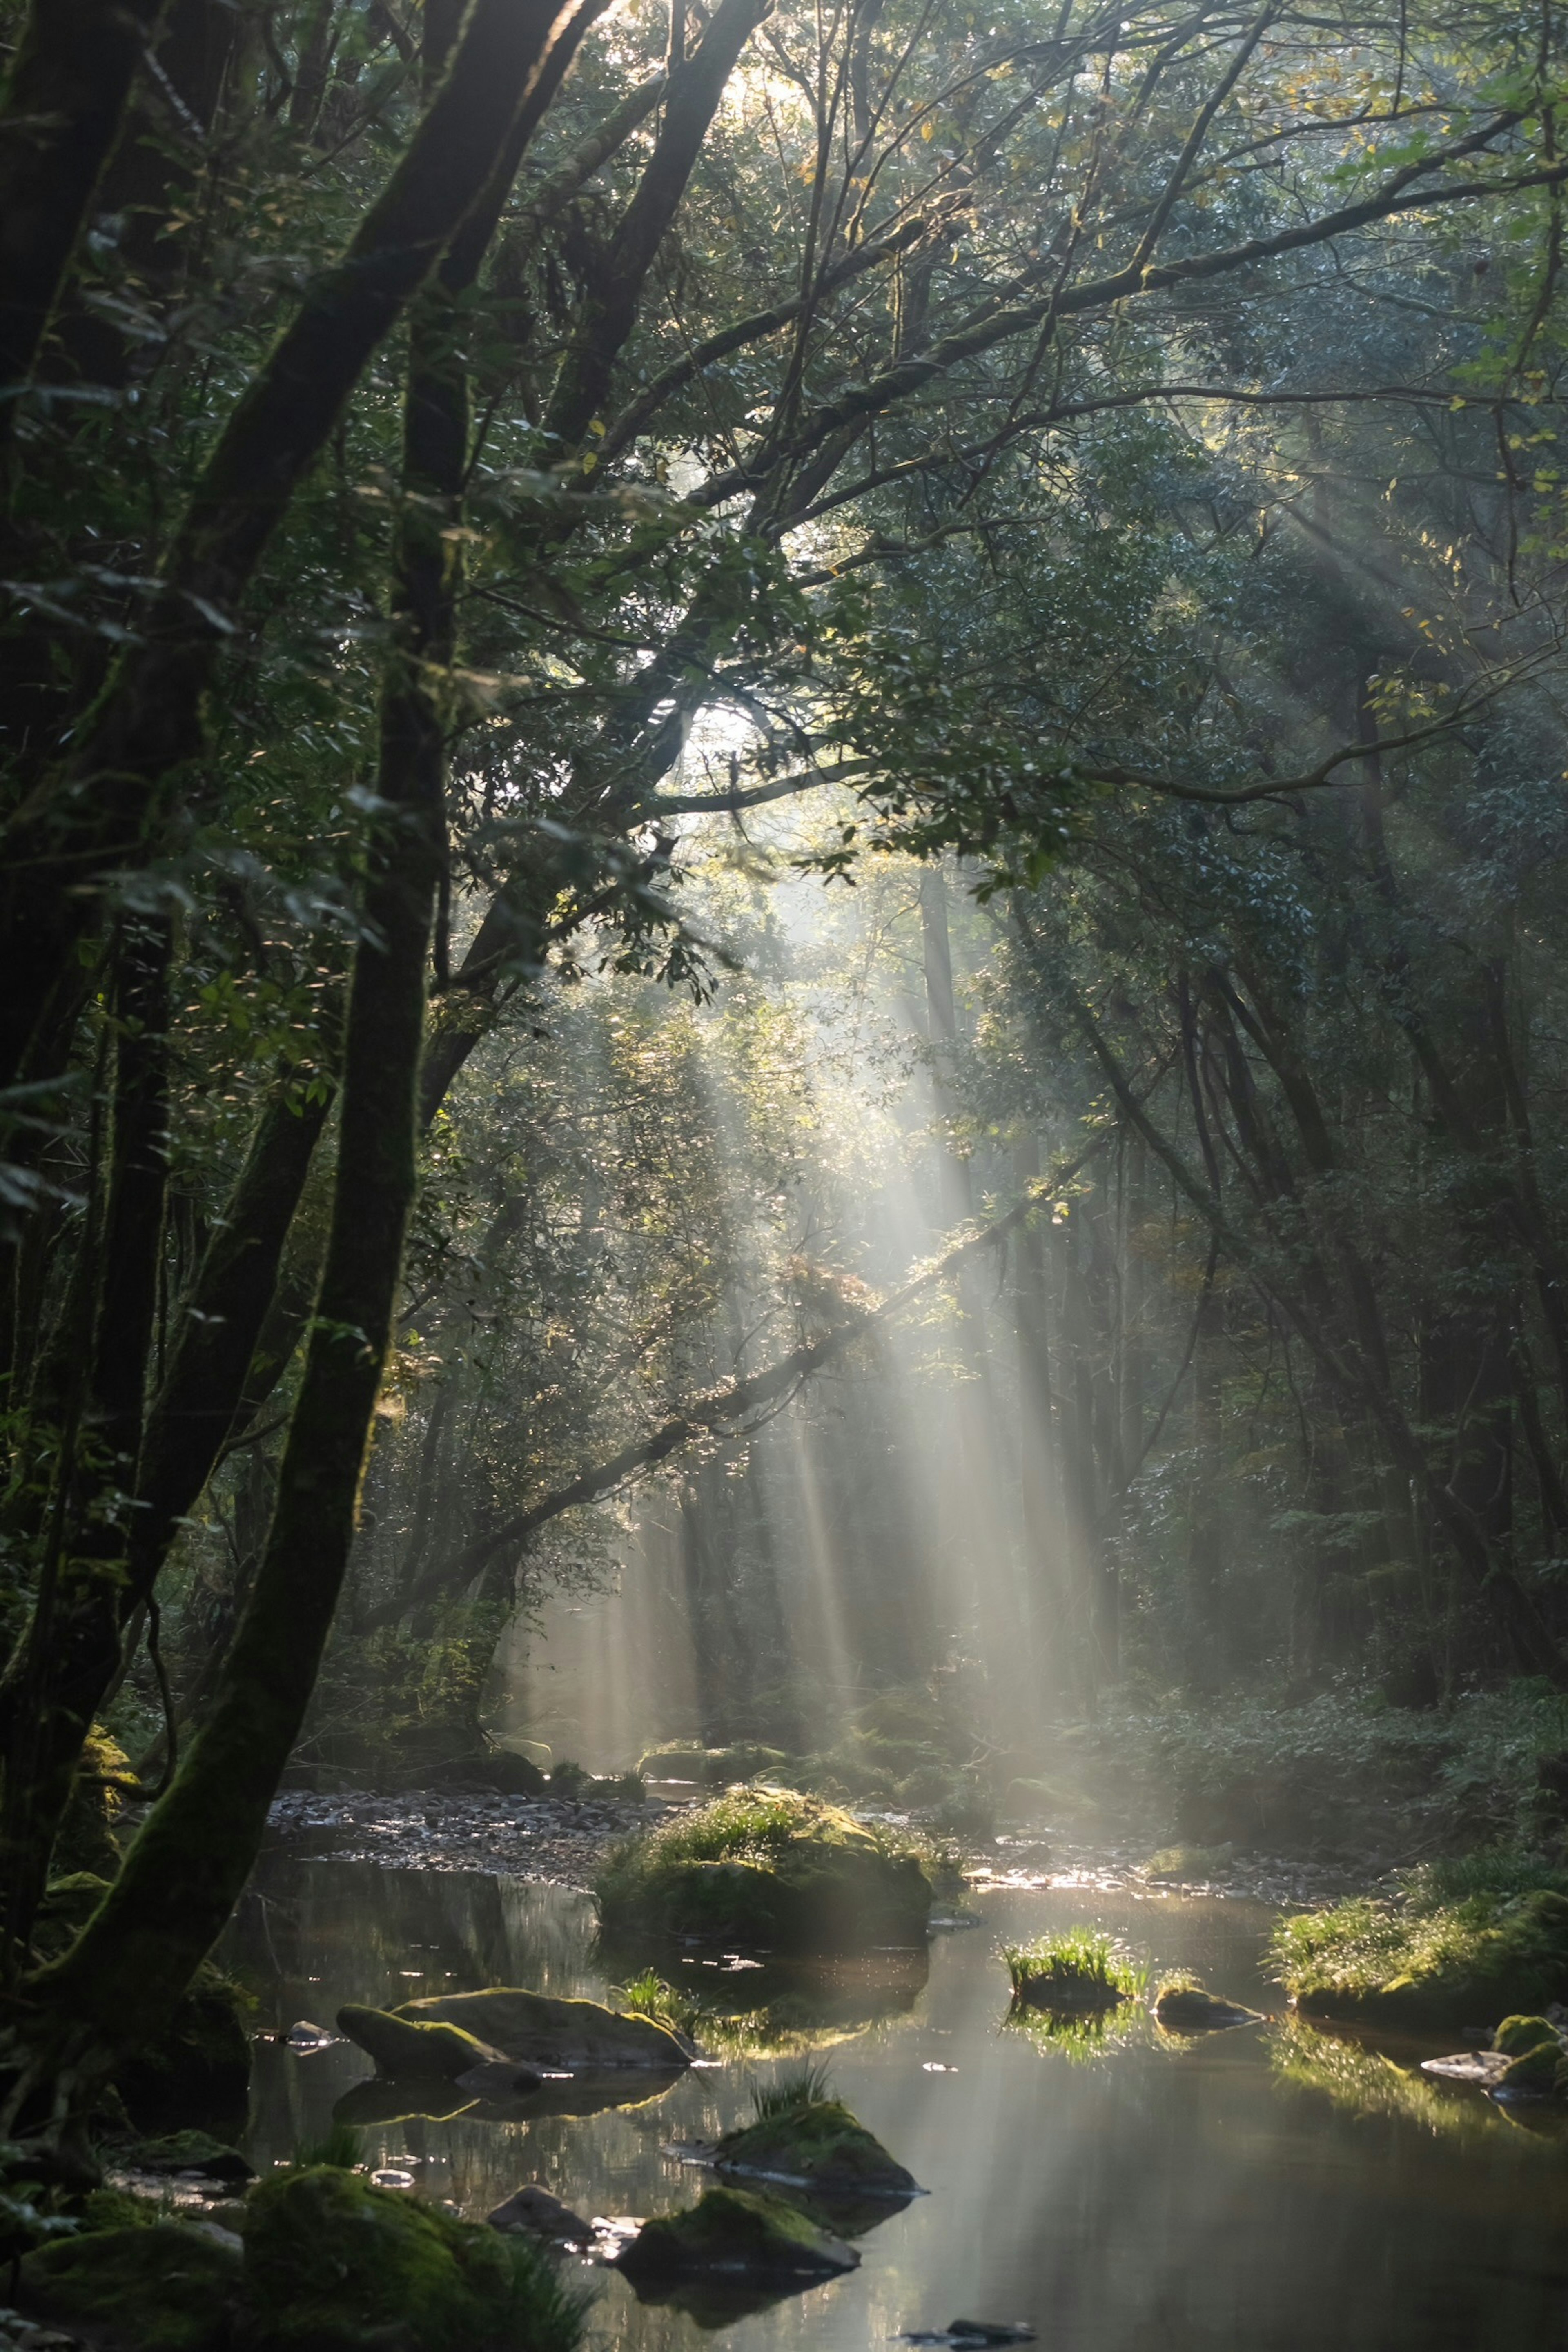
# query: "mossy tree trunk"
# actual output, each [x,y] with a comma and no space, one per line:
[120,1980]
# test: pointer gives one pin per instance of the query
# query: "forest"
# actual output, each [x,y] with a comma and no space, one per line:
[784,1044]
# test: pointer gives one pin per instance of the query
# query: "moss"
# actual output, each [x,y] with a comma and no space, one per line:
[1534,2070]
[819,2145]
[158,2288]
[1182,2006]
[544,2029]
[334,2266]
[407,2049]
[1517,2034]
[1417,1962]
[736,2230]
[715,1768]
[68,1903]
[117,2209]
[199,2070]
[1189,1863]
[768,1866]
[86,1843]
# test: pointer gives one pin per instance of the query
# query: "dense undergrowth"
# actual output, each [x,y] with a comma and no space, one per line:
[1341,1771]
[1456,1943]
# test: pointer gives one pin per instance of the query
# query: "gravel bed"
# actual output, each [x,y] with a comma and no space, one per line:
[553,1841]
[561,1841]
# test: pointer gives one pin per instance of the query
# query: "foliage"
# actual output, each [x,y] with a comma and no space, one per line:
[959,474]
[791,2095]
[342,2149]
[1073,1968]
[1455,1945]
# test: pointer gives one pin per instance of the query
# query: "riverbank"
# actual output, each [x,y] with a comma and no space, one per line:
[562,1842]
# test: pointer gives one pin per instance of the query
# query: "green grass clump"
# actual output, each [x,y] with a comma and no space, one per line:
[1458,1943]
[791,2095]
[341,2147]
[1076,1968]
[652,1996]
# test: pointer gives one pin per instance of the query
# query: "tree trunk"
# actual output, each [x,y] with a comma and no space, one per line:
[65,102]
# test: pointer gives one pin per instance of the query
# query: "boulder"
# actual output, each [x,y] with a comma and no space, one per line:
[1485,2067]
[817,2146]
[199,2072]
[333,2264]
[416,2050]
[1516,2035]
[162,2286]
[1189,2009]
[735,2231]
[534,2029]
[1535,2071]
[535,2211]
[500,1768]
[769,1867]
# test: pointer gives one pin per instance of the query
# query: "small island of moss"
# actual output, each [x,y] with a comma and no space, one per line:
[770,1867]
[1457,1943]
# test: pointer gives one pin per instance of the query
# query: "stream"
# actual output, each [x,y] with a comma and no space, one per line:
[1269,2188]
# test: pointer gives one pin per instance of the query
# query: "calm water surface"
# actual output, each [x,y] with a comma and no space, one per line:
[1267,2188]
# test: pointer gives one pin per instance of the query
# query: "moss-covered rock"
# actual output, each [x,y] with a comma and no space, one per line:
[1190,2009]
[770,1867]
[1534,2070]
[734,2230]
[1416,1964]
[199,2072]
[820,2146]
[534,2029]
[715,1768]
[87,1844]
[159,2288]
[1515,2035]
[333,2264]
[413,2050]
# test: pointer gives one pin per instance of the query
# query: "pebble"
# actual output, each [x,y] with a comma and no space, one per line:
[552,1840]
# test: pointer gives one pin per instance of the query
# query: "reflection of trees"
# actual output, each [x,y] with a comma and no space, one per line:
[384,1935]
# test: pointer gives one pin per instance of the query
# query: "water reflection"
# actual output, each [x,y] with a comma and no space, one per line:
[1267,2187]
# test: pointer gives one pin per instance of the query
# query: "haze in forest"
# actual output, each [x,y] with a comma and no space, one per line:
[782,957]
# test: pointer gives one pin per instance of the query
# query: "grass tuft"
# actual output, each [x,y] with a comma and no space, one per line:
[791,2095]
[1076,1968]
[342,2149]
[652,1996]
[548,2314]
